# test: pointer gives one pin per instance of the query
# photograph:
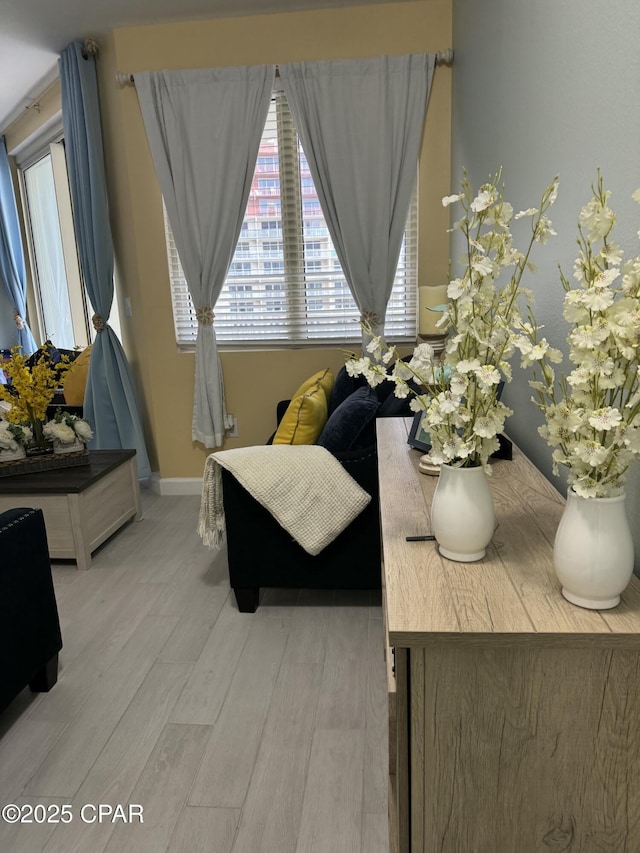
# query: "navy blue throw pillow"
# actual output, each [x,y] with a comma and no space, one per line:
[352,425]
[343,387]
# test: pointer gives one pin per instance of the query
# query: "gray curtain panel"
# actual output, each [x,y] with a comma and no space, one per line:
[360,122]
[204,129]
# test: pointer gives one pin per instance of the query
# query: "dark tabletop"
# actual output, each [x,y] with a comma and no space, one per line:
[65,480]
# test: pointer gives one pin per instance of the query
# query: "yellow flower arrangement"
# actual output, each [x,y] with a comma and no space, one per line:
[31,389]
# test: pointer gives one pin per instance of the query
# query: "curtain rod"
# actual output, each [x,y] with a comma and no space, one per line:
[443,57]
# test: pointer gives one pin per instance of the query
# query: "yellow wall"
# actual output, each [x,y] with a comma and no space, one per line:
[254,381]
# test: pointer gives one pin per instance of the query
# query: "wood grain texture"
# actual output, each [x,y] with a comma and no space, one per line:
[166,693]
[551,737]
[204,829]
[162,790]
[227,764]
[376,746]
[333,793]
[512,595]
[67,764]
[272,810]
[400,783]
[31,837]
[375,833]
[78,522]
[522,728]
[115,772]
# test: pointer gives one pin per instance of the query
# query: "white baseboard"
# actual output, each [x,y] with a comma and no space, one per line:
[176,485]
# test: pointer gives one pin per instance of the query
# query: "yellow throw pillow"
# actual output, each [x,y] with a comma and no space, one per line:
[304,419]
[75,379]
[324,378]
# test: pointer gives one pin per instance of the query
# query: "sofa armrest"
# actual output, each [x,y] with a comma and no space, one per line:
[30,637]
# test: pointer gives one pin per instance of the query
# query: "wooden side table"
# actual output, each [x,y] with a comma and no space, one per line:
[514,715]
[82,505]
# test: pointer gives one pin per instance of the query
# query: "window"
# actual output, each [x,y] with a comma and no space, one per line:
[240,268]
[62,306]
[59,293]
[313,250]
[269,186]
[271,248]
[294,292]
[240,299]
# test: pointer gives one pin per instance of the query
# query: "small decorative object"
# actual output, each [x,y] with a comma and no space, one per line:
[69,433]
[462,514]
[593,551]
[30,392]
[418,437]
[459,397]
[592,415]
[13,438]
[427,466]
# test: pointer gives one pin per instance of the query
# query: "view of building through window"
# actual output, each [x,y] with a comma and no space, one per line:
[285,284]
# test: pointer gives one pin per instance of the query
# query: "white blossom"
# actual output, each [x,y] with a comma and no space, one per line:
[530,211]
[484,315]
[83,430]
[545,230]
[59,431]
[488,375]
[594,439]
[466,365]
[7,439]
[606,418]
[597,299]
[484,199]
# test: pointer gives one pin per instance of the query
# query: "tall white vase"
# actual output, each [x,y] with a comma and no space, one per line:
[593,551]
[462,514]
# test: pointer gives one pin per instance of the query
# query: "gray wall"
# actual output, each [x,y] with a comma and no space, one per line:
[545,88]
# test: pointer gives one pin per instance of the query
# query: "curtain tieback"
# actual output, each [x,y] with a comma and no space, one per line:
[98,322]
[19,321]
[369,319]
[205,315]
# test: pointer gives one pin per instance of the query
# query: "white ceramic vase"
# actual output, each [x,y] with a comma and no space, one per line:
[593,551]
[462,514]
[68,447]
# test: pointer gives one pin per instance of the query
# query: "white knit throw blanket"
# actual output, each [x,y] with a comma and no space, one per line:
[304,487]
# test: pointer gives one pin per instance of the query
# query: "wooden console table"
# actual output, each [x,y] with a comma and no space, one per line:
[514,716]
[82,505]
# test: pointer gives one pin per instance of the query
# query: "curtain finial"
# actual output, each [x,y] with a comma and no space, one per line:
[90,47]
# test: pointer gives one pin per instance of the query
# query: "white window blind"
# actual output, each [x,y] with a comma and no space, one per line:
[285,285]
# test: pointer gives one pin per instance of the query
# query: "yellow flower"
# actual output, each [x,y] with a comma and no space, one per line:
[32,388]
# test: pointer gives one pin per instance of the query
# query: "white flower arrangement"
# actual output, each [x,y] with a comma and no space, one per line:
[13,436]
[459,396]
[592,415]
[67,428]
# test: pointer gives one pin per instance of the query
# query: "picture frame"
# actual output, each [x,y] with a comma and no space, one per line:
[419,439]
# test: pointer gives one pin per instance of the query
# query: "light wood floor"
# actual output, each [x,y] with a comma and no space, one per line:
[236,733]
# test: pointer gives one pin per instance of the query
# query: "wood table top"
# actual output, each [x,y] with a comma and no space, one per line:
[512,596]
[73,479]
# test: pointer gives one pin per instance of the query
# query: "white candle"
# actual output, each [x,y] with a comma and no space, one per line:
[430,297]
